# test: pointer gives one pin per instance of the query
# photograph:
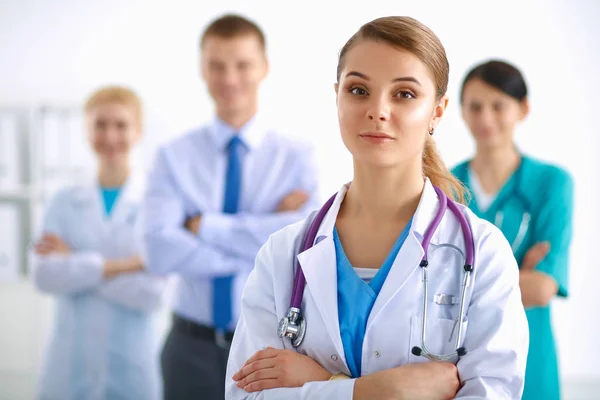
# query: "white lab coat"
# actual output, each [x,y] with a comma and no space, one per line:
[495,329]
[104,343]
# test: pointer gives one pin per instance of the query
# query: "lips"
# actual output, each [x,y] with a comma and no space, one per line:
[376,135]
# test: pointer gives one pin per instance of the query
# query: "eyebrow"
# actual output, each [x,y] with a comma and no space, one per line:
[400,79]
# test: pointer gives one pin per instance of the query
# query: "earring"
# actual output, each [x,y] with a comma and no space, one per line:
[431,131]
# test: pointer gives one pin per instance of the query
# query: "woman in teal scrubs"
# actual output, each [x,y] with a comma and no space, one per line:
[529,200]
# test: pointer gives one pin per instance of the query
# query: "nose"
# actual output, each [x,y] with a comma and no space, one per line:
[229,76]
[111,135]
[486,116]
[379,110]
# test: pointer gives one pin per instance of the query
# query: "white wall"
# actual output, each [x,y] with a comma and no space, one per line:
[59,51]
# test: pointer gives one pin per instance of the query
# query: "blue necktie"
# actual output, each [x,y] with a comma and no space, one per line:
[222,286]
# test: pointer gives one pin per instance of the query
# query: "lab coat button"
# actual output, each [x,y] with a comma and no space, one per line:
[334,357]
[377,353]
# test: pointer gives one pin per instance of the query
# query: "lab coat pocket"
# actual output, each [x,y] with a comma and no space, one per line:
[440,338]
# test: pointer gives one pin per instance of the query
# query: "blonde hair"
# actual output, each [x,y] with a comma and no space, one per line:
[435,169]
[116,95]
[411,35]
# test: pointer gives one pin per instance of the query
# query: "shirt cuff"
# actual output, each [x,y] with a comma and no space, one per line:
[214,228]
[95,262]
[342,389]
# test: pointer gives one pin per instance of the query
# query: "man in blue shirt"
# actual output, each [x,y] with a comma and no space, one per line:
[214,196]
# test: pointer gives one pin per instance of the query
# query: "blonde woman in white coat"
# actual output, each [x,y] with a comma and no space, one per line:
[104,342]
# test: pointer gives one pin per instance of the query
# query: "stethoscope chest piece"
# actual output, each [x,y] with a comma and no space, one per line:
[292,326]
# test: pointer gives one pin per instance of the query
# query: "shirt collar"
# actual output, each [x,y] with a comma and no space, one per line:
[252,133]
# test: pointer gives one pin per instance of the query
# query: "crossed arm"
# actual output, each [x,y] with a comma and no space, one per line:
[201,245]
[275,368]
[544,268]
[59,270]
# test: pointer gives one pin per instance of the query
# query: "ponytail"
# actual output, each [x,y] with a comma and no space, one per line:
[439,175]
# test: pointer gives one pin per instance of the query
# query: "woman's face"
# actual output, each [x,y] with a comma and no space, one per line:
[113,129]
[491,115]
[387,104]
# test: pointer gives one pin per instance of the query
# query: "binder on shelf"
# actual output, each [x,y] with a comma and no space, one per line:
[10,151]
[11,250]
[52,142]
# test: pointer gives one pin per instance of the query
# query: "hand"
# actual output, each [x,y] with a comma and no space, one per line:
[537,288]
[51,244]
[117,267]
[192,224]
[429,380]
[293,201]
[273,368]
[534,256]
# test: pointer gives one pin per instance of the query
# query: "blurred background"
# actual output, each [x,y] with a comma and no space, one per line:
[54,53]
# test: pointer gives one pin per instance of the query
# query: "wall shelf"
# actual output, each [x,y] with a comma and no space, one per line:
[42,148]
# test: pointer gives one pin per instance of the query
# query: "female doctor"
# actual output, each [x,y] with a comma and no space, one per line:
[364,296]
[530,201]
[103,345]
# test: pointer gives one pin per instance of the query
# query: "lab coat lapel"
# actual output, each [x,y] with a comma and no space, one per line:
[90,205]
[126,205]
[405,264]
[411,253]
[319,266]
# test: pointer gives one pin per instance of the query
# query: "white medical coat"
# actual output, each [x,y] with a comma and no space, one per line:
[495,331]
[104,343]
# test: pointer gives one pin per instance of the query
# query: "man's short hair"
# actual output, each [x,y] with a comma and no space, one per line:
[232,25]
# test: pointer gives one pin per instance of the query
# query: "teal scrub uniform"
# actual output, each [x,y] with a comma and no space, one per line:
[545,192]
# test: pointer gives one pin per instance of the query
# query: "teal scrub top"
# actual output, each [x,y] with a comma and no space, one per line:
[356,299]
[109,197]
[546,193]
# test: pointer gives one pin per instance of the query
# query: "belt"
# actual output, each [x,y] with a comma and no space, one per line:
[199,331]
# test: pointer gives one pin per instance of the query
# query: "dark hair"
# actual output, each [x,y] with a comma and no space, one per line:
[232,25]
[501,75]
[411,35]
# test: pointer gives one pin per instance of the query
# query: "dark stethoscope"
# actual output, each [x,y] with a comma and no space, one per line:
[525,219]
[293,325]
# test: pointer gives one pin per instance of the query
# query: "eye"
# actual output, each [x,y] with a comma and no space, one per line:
[474,107]
[498,106]
[406,94]
[217,66]
[358,91]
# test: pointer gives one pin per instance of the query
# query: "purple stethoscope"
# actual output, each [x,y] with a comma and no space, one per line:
[293,325]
